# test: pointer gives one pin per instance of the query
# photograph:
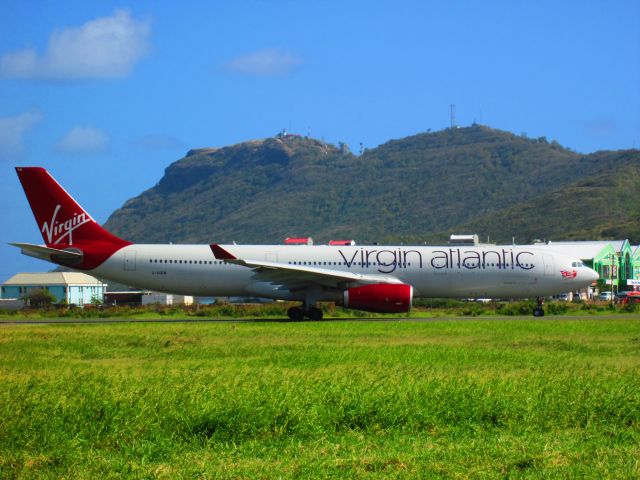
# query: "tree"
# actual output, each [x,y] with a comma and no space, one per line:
[39,298]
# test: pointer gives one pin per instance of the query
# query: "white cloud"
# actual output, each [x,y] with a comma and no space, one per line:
[85,140]
[12,132]
[107,47]
[269,62]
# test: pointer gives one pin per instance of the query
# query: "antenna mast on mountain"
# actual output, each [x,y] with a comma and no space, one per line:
[453,115]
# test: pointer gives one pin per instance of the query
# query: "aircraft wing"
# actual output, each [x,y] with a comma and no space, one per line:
[297,276]
[46,253]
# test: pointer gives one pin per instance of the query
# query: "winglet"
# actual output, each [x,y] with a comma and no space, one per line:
[220,253]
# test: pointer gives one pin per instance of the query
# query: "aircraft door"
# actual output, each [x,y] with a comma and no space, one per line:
[549,266]
[130,260]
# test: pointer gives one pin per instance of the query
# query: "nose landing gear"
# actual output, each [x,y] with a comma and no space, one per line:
[538,311]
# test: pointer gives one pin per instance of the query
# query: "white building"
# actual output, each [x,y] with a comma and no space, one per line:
[152,298]
[71,287]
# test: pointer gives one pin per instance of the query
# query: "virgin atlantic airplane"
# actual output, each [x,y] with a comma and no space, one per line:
[374,278]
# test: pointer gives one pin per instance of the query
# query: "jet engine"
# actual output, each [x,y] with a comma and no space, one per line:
[379,297]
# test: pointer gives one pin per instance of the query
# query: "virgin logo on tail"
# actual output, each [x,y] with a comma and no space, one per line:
[57,231]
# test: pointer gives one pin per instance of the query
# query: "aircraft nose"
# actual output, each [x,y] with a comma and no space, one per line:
[593,275]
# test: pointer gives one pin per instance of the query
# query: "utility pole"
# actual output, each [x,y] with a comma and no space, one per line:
[613,255]
[453,115]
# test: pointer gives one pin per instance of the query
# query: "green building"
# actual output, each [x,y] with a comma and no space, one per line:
[635,260]
[616,261]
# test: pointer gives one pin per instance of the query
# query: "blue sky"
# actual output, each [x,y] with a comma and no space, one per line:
[107,94]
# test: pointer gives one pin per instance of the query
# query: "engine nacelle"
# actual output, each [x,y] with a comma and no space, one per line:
[380,297]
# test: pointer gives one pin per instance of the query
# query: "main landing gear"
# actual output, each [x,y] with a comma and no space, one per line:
[297,314]
[538,311]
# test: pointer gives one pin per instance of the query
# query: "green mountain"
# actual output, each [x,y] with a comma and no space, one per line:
[415,189]
[606,205]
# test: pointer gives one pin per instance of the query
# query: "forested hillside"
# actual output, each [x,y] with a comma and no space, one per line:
[606,205]
[415,189]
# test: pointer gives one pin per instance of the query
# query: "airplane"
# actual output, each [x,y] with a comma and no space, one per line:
[369,278]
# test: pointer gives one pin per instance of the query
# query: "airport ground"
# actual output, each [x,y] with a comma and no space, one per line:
[494,397]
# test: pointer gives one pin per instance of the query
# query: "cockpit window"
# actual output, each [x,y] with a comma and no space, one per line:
[577,264]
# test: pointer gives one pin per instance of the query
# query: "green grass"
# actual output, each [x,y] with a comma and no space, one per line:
[490,398]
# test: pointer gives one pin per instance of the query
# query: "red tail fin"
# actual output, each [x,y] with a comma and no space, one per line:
[62,222]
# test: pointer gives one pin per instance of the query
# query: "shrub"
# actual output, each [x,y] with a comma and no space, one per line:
[516,308]
[40,298]
[629,307]
[474,310]
[557,308]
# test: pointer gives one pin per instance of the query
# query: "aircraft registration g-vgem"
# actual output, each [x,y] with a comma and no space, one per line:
[370,278]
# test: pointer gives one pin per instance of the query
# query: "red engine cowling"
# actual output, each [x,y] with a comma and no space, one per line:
[380,297]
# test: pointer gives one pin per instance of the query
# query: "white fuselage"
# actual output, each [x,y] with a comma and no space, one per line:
[447,271]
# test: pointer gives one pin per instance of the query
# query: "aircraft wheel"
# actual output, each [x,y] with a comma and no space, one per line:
[538,312]
[314,314]
[296,314]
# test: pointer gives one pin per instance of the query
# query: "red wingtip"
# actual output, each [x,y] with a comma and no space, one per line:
[220,253]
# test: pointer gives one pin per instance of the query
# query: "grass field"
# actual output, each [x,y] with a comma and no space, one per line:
[452,398]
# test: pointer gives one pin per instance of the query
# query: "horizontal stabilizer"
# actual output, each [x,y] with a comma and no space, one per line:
[46,253]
